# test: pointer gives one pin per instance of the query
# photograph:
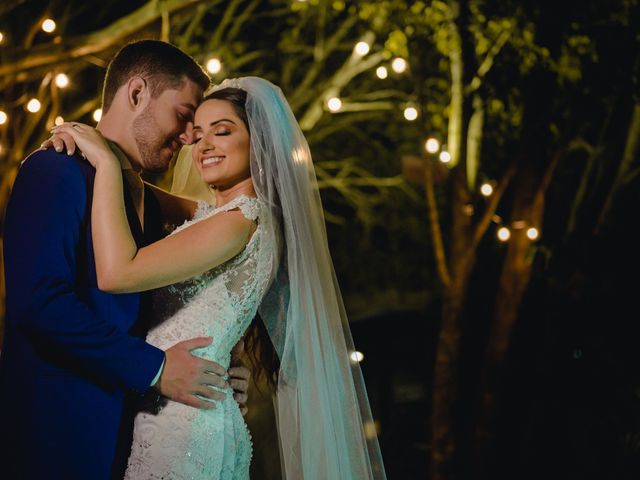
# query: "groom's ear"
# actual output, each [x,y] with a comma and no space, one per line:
[138,92]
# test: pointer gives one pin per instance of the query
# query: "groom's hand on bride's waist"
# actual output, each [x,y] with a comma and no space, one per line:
[186,378]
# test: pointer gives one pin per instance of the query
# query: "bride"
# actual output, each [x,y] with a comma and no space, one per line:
[261,248]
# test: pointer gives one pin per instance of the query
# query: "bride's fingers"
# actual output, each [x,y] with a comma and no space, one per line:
[48,143]
[239,385]
[59,141]
[241,397]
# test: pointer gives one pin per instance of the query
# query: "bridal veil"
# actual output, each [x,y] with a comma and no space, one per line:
[324,421]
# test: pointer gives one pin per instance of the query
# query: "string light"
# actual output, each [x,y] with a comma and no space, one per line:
[1,37]
[399,65]
[486,189]
[532,233]
[382,72]
[444,157]
[357,356]
[3,117]
[62,80]
[214,65]
[334,104]
[97,114]
[370,429]
[34,105]
[362,48]
[410,113]
[59,120]
[504,234]
[432,145]
[48,25]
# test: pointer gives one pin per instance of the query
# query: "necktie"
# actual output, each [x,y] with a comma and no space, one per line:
[136,187]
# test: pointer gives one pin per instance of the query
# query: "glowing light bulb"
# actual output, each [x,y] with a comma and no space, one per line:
[504,234]
[34,105]
[214,65]
[1,37]
[532,233]
[362,48]
[382,72]
[410,113]
[58,120]
[432,145]
[444,157]
[3,117]
[97,114]
[48,25]
[357,356]
[334,104]
[486,189]
[399,65]
[62,80]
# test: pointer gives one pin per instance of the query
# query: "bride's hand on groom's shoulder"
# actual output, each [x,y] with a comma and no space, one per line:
[60,142]
[74,135]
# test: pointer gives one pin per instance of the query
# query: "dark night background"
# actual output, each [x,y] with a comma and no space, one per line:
[558,80]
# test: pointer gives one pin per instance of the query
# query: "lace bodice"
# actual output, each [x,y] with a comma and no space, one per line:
[235,288]
[175,441]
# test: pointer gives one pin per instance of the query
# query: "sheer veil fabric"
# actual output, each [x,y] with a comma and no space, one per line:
[324,421]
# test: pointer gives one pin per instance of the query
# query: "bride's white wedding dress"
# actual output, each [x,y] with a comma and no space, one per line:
[174,441]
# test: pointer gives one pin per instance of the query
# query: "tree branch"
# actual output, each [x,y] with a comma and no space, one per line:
[352,67]
[487,63]
[492,205]
[303,88]
[436,232]
[74,48]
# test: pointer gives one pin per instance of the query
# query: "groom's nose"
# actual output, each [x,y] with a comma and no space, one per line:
[187,137]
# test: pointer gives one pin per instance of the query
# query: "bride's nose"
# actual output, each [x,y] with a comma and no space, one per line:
[205,145]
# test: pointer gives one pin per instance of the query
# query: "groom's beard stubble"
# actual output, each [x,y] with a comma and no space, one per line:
[150,142]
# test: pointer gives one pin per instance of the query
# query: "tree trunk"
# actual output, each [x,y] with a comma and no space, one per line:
[624,173]
[444,442]
[528,208]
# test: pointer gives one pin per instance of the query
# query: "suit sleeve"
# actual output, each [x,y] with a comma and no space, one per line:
[46,219]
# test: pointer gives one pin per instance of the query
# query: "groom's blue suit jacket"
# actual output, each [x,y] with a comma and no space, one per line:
[73,357]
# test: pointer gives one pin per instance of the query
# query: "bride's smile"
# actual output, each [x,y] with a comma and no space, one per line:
[221,144]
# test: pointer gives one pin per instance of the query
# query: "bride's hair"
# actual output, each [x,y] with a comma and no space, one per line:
[258,346]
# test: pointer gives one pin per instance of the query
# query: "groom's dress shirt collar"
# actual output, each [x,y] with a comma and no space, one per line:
[125,163]
[133,180]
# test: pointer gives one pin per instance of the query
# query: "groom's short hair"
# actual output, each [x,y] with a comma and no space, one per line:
[160,63]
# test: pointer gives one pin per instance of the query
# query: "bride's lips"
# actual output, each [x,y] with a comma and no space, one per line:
[211,160]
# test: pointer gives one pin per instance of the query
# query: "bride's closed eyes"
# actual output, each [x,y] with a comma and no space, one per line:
[223,133]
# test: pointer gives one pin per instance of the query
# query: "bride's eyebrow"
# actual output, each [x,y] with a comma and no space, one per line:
[213,124]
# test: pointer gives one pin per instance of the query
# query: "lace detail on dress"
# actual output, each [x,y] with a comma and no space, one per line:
[171,440]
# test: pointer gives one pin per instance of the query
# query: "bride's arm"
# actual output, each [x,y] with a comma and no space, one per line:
[120,266]
[175,209]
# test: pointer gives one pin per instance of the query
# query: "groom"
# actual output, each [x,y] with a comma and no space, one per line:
[74,358]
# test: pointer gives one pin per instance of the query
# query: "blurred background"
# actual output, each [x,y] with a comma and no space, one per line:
[478,164]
